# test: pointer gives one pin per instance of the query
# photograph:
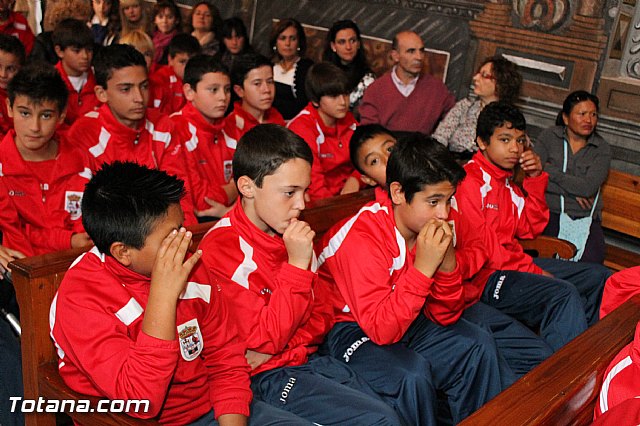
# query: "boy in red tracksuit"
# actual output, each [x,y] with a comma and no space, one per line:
[398,293]
[268,256]
[252,79]
[166,82]
[15,25]
[122,128]
[133,318]
[492,211]
[326,124]
[208,150]
[73,43]
[43,174]
[12,57]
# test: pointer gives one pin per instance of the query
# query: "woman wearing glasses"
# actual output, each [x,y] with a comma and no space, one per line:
[497,79]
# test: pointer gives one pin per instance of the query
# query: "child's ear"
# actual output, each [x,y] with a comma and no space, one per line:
[239,90]
[397,194]
[101,93]
[367,180]
[246,186]
[121,253]
[189,92]
[481,143]
[9,109]
[59,52]
[62,116]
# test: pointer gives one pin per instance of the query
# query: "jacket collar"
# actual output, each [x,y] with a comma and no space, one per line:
[493,170]
[202,124]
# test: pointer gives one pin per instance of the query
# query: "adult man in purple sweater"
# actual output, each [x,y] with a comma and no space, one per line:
[404,99]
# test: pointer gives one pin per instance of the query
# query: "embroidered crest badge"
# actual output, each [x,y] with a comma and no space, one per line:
[190,338]
[72,203]
[228,170]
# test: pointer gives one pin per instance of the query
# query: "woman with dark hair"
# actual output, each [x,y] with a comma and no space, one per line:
[497,79]
[105,22]
[344,48]
[290,68]
[235,41]
[168,22]
[577,160]
[206,26]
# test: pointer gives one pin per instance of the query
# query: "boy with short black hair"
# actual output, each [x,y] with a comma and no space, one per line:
[326,124]
[369,150]
[206,146]
[163,333]
[492,211]
[268,255]
[12,57]
[399,300]
[123,128]
[252,80]
[73,44]
[42,173]
[166,82]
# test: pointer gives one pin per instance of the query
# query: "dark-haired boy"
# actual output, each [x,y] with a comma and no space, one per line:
[399,295]
[326,124]
[43,174]
[492,212]
[12,57]
[268,255]
[166,82]
[369,150]
[160,333]
[73,44]
[199,128]
[252,80]
[122,128]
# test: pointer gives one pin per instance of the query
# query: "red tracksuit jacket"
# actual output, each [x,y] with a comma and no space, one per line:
[621,381]
[490,213]
[166,90]
[378,287]
[240,121]
[331,163]
[17,26]
[81,102]
[96,323]
[208,152]
[272,300]
[49,212]
[619,288]
[150,145]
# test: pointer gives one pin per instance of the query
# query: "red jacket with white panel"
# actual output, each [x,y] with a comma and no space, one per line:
[272,300]
[96,323]
[48,207]
[241,121]
[377,285]
[490,213]
[81,102]
[166,92]
[330,146]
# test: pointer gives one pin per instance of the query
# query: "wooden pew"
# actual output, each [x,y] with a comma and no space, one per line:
[621,213]
[564,389]
[37,278]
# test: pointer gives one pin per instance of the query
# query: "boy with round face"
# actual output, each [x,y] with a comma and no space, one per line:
[560,298]
[43,174]
[199,128]
[326,124]
[268,256]
[73,42]
[252,79]
[369,148]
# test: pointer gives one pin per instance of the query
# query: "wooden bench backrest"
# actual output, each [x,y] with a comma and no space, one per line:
[621,198]
[563,389]
[37,279]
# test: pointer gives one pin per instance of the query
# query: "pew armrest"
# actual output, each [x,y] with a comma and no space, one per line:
[549,247]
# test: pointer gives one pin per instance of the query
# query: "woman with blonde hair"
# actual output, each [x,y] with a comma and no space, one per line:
[133,16]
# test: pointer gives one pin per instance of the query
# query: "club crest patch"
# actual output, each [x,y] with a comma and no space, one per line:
[72,203]
[190,338]
[228,170]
